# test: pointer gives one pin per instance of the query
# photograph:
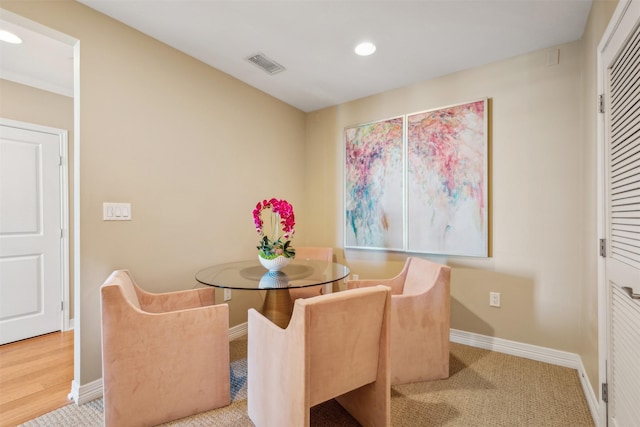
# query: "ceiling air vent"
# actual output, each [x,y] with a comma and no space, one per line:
[268,65]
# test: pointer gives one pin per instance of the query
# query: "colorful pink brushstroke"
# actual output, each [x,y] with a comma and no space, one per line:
[373,180]
[446,179]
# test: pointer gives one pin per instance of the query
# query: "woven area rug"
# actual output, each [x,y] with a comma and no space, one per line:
[485,388]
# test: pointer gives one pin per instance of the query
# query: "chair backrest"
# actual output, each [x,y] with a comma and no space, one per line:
[422,274]
[123,280]
[345,333]
[314,252]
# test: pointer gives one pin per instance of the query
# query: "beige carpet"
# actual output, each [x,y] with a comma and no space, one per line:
[485,389]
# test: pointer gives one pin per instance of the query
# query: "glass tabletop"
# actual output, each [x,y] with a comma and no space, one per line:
[250,275]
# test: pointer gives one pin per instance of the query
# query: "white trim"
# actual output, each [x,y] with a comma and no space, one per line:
[82,394]
[86,393]
[589,394]
[528,351]
[64,242]
[601,232]
[77,253]
[533,352]
[238,331]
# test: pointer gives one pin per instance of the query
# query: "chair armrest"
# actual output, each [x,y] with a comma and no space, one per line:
[175,301]
[129,322]
[396,284]
[286,346]
[203,338]
[432,304]
[308,292]
[276,368]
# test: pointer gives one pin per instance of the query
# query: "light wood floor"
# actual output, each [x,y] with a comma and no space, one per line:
[35,377]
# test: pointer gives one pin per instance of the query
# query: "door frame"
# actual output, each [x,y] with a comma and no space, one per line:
[64,206]
[603,290]
[72,264]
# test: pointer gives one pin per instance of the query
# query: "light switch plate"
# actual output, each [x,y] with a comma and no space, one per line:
[116,211]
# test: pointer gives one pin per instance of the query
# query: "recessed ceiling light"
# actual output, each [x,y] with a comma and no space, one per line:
[365,49]
[8,37]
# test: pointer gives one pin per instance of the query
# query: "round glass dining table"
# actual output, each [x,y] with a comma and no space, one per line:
[251,275]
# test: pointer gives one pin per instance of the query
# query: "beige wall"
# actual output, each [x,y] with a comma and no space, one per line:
[187,146]
[542,192]
[190,147]
[535,176]
[31,105]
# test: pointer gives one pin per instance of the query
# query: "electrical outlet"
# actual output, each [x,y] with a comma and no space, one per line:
[227,294]
[494,299]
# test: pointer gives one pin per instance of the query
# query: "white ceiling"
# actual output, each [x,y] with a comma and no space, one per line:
[314,39]
[42,60]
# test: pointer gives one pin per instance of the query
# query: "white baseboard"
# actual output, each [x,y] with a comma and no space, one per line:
[533,352]
[238,331]
[589,394]
[93,390]
[87,392]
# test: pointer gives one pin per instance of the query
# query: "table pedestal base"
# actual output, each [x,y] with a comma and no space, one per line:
[278,307]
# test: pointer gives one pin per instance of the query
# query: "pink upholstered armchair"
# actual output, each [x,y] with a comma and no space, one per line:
[336,346]
[316,253]
[420,320]
[164,356]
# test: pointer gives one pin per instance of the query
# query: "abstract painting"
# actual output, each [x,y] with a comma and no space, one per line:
[374,193]
[447,163]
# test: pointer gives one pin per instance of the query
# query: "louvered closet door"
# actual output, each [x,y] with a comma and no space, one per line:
[622,122]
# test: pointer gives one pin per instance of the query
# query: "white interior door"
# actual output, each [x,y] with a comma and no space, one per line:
[620,62]
[30,231]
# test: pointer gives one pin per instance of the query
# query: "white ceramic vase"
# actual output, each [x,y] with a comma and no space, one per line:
[275,264]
